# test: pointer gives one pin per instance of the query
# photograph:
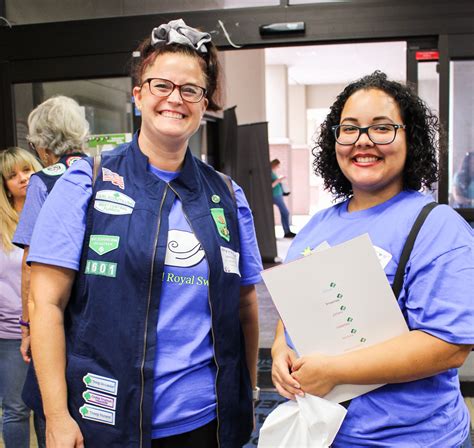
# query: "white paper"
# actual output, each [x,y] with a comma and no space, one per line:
[335,301]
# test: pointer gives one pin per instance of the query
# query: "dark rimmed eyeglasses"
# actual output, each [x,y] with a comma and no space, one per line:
[380,134]
[164,88]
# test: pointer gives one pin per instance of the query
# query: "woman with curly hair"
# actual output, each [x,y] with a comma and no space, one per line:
[377,148]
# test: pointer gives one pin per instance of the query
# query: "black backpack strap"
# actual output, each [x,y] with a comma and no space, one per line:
[405,256]
[95,168]
[228,182]
[410,242]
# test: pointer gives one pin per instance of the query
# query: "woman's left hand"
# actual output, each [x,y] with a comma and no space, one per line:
[313,373]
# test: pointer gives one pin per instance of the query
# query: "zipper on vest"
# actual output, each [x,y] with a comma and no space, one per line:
[155,243]
[210,308]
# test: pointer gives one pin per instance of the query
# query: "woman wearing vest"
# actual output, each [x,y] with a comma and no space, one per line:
[144,316]
[16,167]
[57,132]
[376,150]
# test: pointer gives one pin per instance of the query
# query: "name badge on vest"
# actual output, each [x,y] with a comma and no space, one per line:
[220,222]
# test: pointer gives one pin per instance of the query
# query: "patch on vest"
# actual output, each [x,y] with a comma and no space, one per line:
[103,400]
[220,222]
[113,202]
[110,176]
[72,159]
[183,249]
[230,261]
[102,268]
[95,402]
[55,170]
[103,244]
[100,415]
[101,383]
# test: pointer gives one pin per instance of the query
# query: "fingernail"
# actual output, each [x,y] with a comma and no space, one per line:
[301,394]
[297,386]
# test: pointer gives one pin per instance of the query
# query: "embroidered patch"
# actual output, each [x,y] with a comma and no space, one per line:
[90,412]
[72,159]
[55,170]
[110,176]
[110,208]
[101,383]
[230,261]
[113,202]
[103,268]
[106,401]
[221,224]
[103,244]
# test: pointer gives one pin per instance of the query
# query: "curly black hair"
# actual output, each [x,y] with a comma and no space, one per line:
[422,136]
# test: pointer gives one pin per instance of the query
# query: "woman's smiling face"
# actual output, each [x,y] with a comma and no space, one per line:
[171,119]
[371,168]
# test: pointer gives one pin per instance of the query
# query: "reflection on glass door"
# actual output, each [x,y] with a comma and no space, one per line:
[461,134]
[106,102]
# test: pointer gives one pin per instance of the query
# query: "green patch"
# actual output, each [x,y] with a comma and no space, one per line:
[103,268]
[220,222]
[103,244]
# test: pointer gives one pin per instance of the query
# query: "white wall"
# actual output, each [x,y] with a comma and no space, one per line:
[276,86]
[322,96]
[297,114]
[244,84]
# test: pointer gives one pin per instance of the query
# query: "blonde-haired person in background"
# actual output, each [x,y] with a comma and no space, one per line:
[16,167]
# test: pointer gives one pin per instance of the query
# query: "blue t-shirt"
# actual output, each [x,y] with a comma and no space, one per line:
[184,385]
[437,299]
[35,197]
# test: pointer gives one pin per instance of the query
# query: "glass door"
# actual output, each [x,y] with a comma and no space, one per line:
[457,115]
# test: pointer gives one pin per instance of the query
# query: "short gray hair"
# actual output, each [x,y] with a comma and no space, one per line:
[58,124]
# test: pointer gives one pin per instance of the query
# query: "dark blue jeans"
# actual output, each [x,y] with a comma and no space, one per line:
[285,214]
[16,424]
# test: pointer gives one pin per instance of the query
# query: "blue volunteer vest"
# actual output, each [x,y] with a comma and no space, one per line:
[112,315]
[51,174]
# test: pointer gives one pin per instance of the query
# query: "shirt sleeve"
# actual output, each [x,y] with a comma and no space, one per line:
[35,197]
[59,232]
[440,279]
[250,263]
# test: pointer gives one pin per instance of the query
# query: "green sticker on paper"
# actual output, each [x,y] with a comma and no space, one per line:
[221,224]
[103,244]
[104,268]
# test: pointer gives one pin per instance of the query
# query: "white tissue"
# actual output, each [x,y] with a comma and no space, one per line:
[307,422]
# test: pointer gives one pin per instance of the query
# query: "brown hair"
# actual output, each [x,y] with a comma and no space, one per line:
[208,61]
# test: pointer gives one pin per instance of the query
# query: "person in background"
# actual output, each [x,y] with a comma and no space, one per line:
[376,150]
[463,183]
[278,193]
[57,132]
[144,316]
[16,167]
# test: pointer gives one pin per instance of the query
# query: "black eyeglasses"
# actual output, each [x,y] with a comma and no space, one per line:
[164,88]
[380,134]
